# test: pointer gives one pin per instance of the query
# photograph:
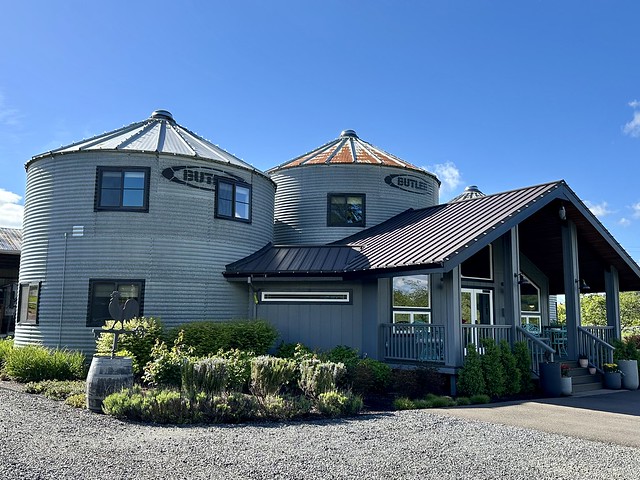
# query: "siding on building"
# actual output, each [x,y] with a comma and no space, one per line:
[301,198]
[177,247]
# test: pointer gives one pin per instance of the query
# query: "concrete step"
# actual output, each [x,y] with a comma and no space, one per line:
[586,387]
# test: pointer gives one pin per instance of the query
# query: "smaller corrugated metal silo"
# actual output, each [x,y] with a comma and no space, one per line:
[342,187]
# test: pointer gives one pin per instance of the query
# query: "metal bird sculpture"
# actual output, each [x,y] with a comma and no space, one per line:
[120,313]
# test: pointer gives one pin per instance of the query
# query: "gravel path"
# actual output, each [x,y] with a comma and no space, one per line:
[45,439]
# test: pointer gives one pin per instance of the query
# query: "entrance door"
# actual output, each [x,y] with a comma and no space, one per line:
[477,306]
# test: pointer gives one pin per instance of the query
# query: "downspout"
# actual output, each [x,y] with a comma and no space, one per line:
[252,299]
[64,272]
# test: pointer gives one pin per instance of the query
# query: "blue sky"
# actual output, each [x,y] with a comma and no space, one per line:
[499,94]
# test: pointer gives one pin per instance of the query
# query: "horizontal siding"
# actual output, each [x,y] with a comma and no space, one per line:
[179,248]
[301,199]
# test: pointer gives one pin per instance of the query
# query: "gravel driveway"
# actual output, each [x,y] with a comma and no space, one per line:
[41,438]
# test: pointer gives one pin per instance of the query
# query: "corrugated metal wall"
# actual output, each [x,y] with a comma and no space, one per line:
[301,199]
[178,247]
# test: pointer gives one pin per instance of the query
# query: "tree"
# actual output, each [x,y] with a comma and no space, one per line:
[593,309]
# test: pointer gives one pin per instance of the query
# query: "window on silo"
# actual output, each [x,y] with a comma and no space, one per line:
[233,200]
[29,302]
[100,295]
[345,210]
[125,189]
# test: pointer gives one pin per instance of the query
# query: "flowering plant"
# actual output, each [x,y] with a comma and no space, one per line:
[611,368]
[564,369]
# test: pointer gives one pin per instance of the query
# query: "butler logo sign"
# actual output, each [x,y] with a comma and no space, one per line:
[203,178]
[408,183]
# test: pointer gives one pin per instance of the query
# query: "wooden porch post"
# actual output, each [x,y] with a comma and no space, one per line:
[612,291]
[511,286]
[454,318]
[571,285]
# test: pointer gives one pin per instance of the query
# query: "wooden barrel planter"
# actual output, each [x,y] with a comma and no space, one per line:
[106,376]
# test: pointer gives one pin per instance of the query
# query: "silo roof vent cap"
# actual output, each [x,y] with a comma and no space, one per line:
[348,133]
[162,115]
[472,188]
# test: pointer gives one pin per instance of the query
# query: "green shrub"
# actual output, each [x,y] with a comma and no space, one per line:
[138,345]
[157,406]
[164,367]
[371,376]
[348,356]
[417,382]
[293,350]
[126,404]
[318,377]
[207,338]
[523,363]
[78,400]
[492,368]
[421,404]
[56,389]
[512,381]
[403,403]
[238,369]
[441,402]
[270,374]
[479,399]
[285,407]
[6,346]
[625,350]
[238,407]
[336,404]
[471,379]
[460,401]
[34,363]
[207,376]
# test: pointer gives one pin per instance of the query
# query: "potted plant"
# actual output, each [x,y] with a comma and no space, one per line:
[626,355]
[565,379]
[612,376]
[592,369]
[583,360]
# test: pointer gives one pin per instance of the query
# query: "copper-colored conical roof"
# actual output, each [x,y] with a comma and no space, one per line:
[348,148]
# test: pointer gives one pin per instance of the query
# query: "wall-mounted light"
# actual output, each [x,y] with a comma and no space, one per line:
[584,287]
[562,213]
[522,280]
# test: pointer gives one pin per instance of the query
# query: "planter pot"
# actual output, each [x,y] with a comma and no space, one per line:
[583,362]
[550,379]
[613,380]
[592,370]
[566,385]
[106,376]
[629,369]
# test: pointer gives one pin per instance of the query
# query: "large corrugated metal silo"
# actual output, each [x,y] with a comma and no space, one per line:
[342,187]
[150,209]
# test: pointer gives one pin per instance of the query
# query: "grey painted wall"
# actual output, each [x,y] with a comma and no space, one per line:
[178,247]
[301,198]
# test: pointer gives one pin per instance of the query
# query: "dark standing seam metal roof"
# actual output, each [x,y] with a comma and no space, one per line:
[437,238]
[10,240]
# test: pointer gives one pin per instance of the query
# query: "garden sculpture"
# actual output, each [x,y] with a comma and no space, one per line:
[120,313]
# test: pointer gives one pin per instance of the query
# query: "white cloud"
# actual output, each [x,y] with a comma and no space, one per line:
[634,104]
[599,209]
[10,210]
[632,128]
[448,174]
[624,222]
[636,210]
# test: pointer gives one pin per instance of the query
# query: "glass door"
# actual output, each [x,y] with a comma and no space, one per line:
[477,306]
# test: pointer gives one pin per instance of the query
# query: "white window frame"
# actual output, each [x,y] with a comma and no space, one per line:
[291,296]
[490,268]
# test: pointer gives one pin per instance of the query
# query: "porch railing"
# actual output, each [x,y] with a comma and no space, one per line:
[476,333]
[539,351]
[414,342]
[606,334]
[597,350]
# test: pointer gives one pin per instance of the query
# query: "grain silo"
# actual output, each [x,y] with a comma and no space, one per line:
[151,210]
[343,187]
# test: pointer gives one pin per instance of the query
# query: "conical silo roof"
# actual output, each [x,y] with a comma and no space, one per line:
[157,134]
[470,192]
[348,148]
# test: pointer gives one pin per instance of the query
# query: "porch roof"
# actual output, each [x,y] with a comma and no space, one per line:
[441,237]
